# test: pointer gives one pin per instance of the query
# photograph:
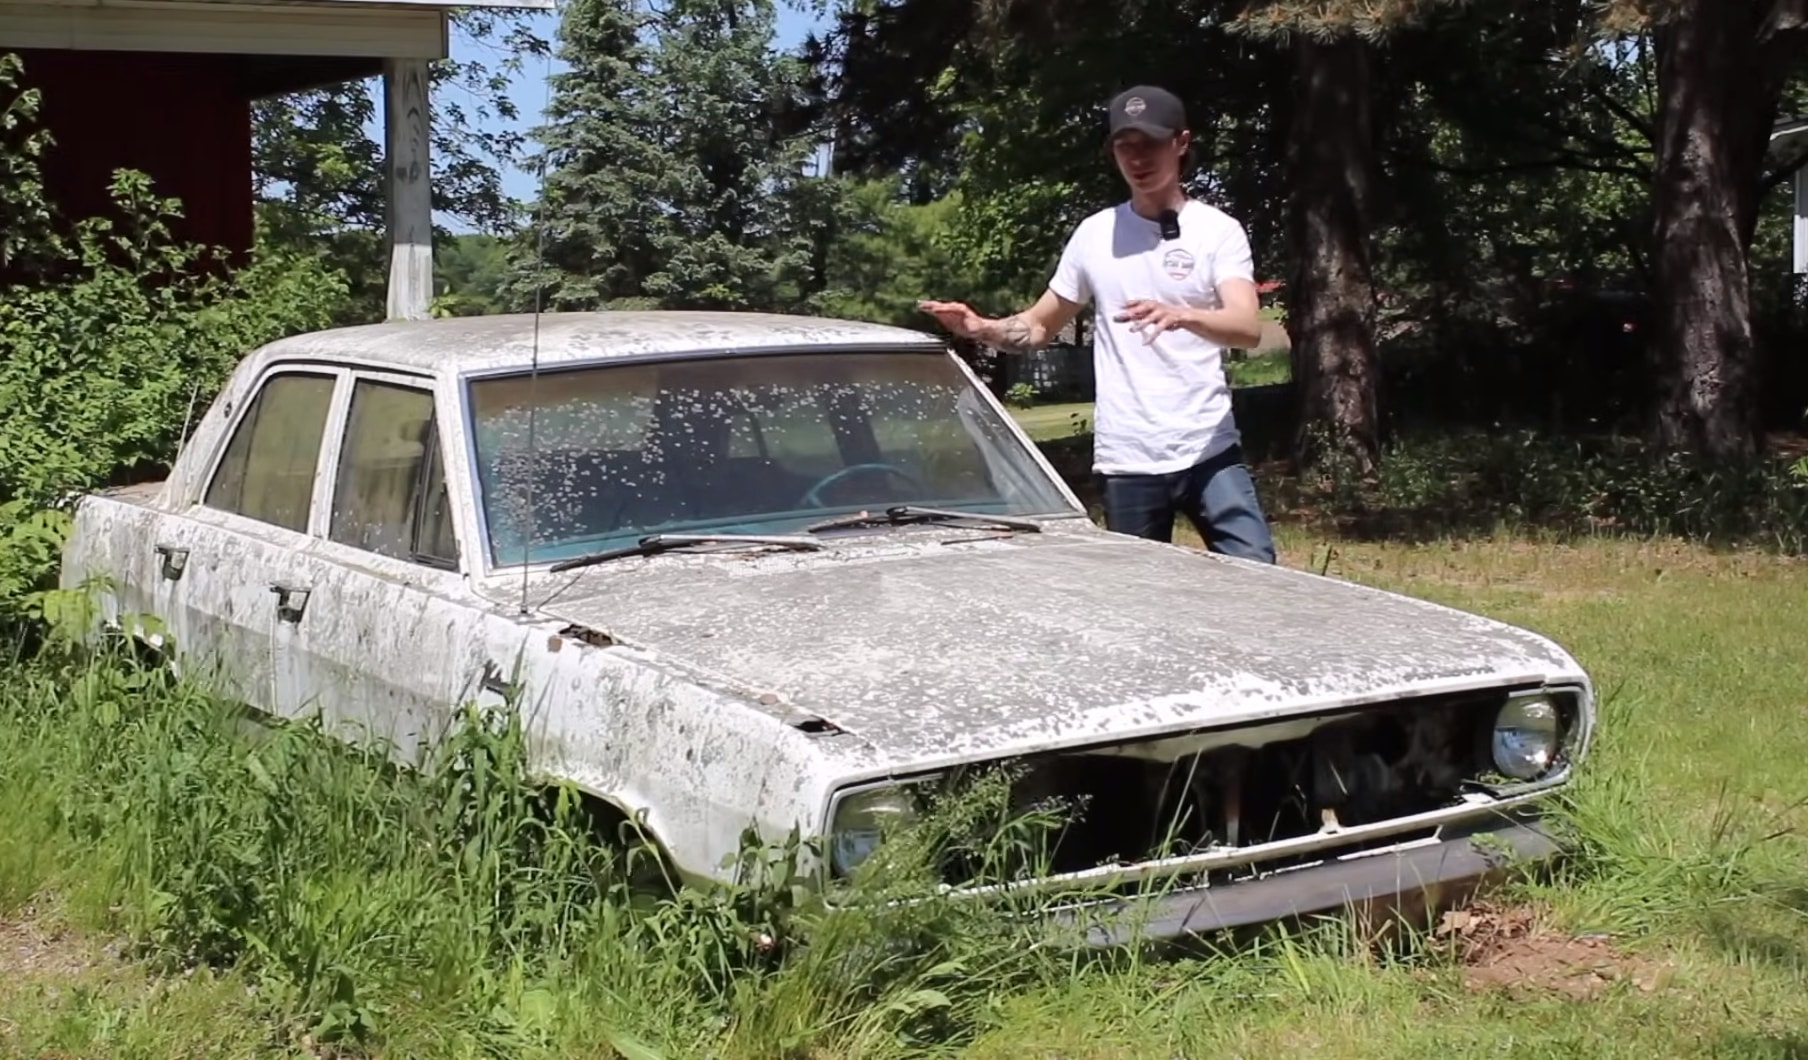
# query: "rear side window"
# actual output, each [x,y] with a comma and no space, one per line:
[267,472]
[390,496]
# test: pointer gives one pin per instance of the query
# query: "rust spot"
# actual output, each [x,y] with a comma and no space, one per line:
[596,638]
[554,643]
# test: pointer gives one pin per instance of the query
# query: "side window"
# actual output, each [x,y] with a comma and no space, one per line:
[267,472]
[434,542]
[390,494]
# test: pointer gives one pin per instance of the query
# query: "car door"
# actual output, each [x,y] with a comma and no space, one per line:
[388,639]
[232,556]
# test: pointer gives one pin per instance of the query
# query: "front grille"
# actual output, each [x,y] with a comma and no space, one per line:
[1107,806]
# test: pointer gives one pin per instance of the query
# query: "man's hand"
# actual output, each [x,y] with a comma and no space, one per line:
[957,317]
[1012,333]
[1152,318]
[1237,323]
[1027,330]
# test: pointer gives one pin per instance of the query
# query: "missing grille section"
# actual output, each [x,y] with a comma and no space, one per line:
[1187,795]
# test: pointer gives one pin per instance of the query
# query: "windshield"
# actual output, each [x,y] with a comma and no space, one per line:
[754,444]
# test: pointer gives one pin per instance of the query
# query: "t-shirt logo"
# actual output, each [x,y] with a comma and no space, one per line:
[1177,263]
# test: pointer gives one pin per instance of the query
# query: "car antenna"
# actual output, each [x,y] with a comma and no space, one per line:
[533,379]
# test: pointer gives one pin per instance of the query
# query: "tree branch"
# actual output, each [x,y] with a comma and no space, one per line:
[1625,113]
[1561,160]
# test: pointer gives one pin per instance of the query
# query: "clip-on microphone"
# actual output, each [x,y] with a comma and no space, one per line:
[1170,224]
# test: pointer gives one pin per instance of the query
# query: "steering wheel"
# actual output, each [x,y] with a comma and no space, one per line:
[811,499]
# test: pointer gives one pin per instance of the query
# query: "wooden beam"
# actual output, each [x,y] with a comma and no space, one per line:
[346,29]
[408,144]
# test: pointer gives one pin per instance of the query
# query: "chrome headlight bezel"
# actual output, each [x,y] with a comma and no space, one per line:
[1536,734]
[861,816]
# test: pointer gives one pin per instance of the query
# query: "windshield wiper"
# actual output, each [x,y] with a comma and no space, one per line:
[902,514]
[656,543]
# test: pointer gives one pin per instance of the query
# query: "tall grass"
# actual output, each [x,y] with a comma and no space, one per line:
[465,910]
[459,909]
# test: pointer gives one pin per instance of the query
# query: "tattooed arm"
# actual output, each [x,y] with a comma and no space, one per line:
[1020,332]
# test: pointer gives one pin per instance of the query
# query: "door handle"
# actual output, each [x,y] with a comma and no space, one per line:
[175,561]
[291,601]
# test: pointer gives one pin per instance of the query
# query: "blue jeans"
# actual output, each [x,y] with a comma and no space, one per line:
[1218,495]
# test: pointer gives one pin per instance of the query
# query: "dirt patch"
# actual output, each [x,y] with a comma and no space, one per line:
[1510,949]
[37,946]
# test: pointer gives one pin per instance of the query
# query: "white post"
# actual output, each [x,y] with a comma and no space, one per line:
[407,142]
[1801,221]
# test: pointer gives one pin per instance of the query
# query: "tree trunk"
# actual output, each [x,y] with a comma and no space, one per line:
[1714,116]
[1330,295]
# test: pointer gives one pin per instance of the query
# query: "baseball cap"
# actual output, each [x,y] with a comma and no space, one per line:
[1148,109]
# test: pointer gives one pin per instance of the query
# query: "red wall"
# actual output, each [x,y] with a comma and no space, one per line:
[183,119]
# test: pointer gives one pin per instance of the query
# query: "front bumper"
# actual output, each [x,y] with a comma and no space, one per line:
[1422,872]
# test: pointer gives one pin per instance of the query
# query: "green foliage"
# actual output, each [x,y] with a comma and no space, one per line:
[889,254]
[1430,486]
[101,370]
[487,908]
[589,237]
[1523,156]
[317,168]
[112,336]
[1020,395]
[1260,369]
[26,235]
[376,912]
[31,545]
[319,172]
[470,273]
[1033,130]
[674,177]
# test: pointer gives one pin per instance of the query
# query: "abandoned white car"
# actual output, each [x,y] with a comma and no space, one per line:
[780,572]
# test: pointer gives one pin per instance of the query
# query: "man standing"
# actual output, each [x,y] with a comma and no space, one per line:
[1174,286]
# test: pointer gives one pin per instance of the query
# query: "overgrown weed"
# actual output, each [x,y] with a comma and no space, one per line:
[466,910]
[461,908]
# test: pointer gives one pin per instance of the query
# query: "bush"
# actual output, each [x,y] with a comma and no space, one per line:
[1467,482]
[101,370]
[113,335]
[1020,395]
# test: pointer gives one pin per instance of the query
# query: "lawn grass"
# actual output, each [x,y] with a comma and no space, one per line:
[1690,810]
[1045,423]
[1065,419]
[1262,368]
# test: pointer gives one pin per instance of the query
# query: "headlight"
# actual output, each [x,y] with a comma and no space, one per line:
[1528,734]
[863,819]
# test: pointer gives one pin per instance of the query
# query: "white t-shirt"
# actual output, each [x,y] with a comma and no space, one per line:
[1161,406]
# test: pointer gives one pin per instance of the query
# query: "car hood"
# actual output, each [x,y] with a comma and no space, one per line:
[935,644]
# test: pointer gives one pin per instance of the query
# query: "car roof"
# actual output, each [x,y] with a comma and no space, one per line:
[507,340]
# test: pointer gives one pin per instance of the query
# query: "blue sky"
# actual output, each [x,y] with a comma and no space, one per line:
[528,90]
